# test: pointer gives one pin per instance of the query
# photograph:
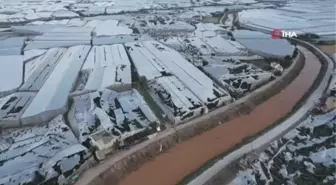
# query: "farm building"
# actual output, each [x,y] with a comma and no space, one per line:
[61,37]
[11,74]
[177,101]
[236,77]
[52,98]
[206,46]
[153,60]
[107,66]
[108,28]
[118,39]
[38,70]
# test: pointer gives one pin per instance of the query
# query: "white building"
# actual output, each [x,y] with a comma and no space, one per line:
[175,99]
[109,67]
[52,98]
[153,60]
[11,74]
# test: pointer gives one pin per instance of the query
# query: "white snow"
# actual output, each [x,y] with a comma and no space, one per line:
[108,28]
[11,73]
[38,70]
[152,58]
[177,101]
[53,96]
[109,67]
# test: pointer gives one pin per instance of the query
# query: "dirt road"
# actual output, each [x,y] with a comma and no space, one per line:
[171,167]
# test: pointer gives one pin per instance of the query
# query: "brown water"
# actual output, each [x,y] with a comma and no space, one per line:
[171,167]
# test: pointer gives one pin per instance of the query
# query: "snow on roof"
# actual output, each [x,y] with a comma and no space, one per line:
[106,55]
[77,22]
[105,109]
[145,62]
[29,147]
[11,46]
[11,73]
[32,29]
[94,10]
[109,66]
[118,39]
[55,43]
[64,14]
[200,44]
[61,22]
[326,156]
[176,97]
[29,55]
[216,45]
[222,46]
[170,61]
[68,152]
[13,106]
[72,30]
[208,30]
[175,42]
[61,37]
[38,70]
[162,23]
[244,178]
[53,96]
[238,78]
[134,106]
[12,42]
[108,28]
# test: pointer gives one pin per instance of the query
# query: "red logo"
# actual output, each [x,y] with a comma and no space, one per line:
[276,34]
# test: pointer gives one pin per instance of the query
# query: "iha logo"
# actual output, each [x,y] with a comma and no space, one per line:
[278,34]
